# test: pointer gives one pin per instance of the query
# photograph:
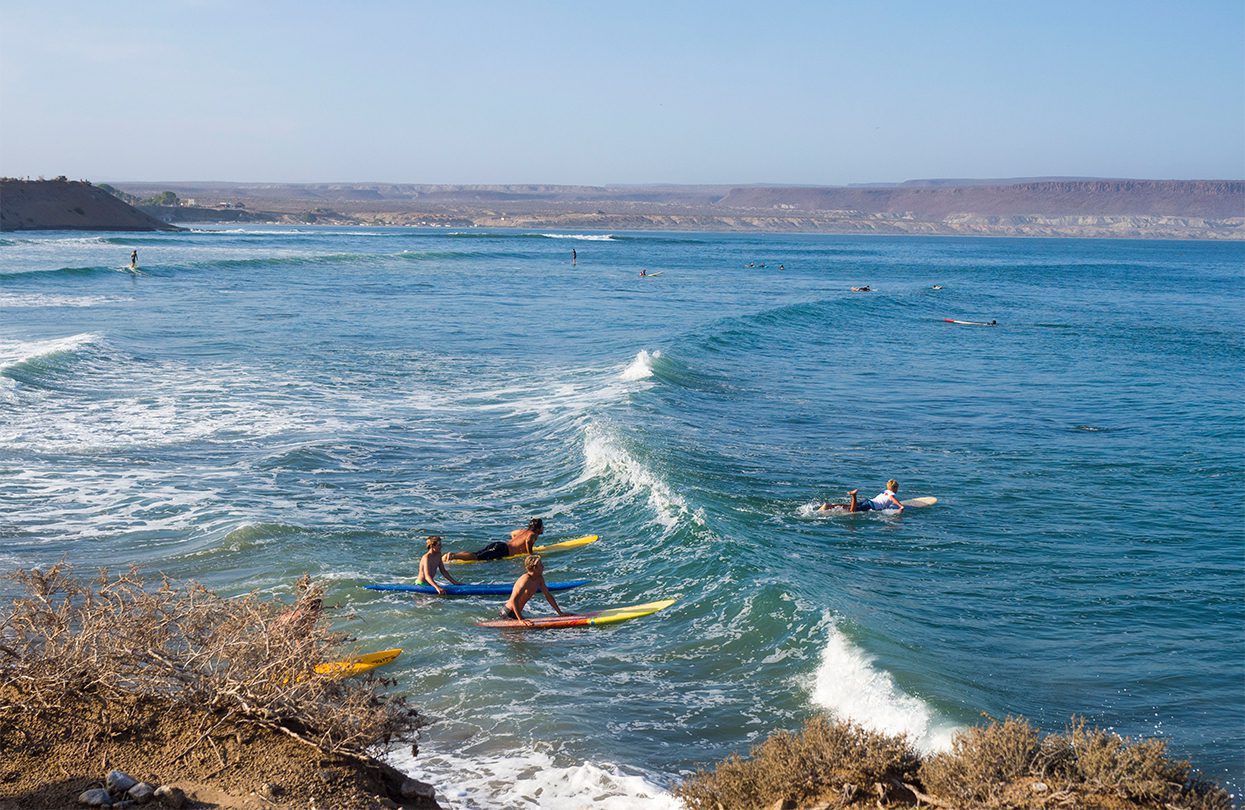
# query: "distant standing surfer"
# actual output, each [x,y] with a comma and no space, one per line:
[884,501]
[574,258]
[133,260]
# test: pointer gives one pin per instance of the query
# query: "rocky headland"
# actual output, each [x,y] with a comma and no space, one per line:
[69,205]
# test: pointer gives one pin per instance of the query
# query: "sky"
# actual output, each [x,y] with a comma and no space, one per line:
[816,93]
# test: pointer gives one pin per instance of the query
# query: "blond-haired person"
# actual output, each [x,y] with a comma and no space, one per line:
[884,501]
[431,563]
[525,588]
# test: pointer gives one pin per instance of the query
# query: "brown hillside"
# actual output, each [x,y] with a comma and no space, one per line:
[71,205]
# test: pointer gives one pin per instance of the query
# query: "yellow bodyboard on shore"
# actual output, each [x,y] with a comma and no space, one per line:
[565,545]
[357,665]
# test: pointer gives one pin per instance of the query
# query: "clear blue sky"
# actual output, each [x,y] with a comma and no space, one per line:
[635,92]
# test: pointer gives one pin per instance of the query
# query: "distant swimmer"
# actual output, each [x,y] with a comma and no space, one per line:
[885,500]
[522,541]
[574,257]
[865,288]
[532,580]
[643,273]
[133,260]
[431,563]
[780,267]
[936,287]
[750,264]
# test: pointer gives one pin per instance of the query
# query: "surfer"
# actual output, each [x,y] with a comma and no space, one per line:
[574,257]
[133,260]
[522,541]
[643,273]
[885,500]
[431,563]
[865,288]
[525,588]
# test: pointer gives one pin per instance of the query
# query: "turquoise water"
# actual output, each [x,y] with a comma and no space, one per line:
[261,403]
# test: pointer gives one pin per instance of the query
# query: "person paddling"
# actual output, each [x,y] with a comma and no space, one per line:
[133,260]
[431,563]
[885,500]
[532,580]
[522,541]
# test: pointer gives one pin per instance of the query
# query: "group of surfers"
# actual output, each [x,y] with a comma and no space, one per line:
[522,542]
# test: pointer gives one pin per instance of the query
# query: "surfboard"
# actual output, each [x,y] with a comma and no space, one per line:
[910,503]
[600,617]
[969,323]
[358,665]
[565,545]
[479,589]
[653,275]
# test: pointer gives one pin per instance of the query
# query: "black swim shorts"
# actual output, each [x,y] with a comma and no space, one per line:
[493,551]
[507,613]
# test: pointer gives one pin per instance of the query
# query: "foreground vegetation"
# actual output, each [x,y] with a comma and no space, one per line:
[88,668]
[1003,764]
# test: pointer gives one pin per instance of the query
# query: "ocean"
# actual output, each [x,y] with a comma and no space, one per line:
[259,403]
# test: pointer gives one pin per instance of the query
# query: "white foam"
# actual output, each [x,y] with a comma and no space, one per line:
[605,458]
[528,779]
[39,300]
[13,352]
[584,237]
[641,367]
[852,688]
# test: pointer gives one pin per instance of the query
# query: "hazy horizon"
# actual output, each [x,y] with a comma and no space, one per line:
[556,93]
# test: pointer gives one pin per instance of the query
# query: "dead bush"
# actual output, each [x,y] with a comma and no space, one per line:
[982,761]
[244,660]
[831,760]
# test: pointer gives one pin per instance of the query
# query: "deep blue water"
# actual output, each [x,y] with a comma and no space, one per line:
[260,403]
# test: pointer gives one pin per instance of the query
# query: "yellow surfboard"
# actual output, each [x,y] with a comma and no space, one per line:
[565,545]
[357,665]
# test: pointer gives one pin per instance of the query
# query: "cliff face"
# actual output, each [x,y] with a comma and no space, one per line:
[1213,199]
[55,205]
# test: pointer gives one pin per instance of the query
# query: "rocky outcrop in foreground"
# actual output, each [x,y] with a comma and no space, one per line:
[68,205]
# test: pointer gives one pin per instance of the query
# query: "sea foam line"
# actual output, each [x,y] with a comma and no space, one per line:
[850,687]
[527,780]
[16,352]
[583,237]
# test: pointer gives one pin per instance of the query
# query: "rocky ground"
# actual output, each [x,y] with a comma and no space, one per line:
[208,760]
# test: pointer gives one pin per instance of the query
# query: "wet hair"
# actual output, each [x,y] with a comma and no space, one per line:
[892,485]
[432,539]
[536,525]
[530,562]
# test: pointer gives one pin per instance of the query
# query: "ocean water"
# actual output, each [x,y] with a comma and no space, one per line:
[260,403]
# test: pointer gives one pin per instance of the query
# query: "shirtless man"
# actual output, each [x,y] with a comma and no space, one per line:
[885,500]
[521,542]
[526,587]
[431,563]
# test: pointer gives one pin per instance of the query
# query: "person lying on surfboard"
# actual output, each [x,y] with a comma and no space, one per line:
[431,563]
[865,288]
[521,542]
[885,500]
[525,588]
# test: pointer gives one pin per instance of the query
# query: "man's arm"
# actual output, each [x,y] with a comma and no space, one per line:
[549,595]
[446,571]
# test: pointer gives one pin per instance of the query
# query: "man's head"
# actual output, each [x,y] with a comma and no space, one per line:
[433,542]
[536,525]
[532,563]
[892,485]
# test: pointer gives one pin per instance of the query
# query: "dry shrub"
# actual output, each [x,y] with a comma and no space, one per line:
[244,660]
[996,765]
[828,759]
[982,761]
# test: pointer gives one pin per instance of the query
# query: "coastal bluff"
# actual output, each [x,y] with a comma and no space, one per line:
[68,205]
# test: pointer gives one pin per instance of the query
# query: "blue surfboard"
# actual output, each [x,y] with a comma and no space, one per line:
[481,589]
